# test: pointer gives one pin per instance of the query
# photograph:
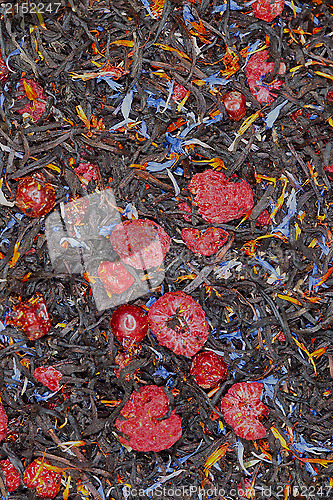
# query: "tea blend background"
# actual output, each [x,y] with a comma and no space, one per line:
[128,96]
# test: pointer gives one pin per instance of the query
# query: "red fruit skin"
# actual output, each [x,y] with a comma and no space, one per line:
[329,96]
[48,376]
[219,199]
[87,171]
[115,278]
[31,317]
[179,323]
[47,482]
[208,369]
[263,218]
[4,72]
[3,423]
[267,10]
[179,92]
[256,70]
[129,324]
[140,243]
[235,105]
[13,479]
[247,491]
[205,242]
[185,208]
[35,197]
[141,423]
[241,408]
[34,107]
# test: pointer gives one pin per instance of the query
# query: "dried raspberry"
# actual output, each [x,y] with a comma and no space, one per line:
[205,242]
[219,199]
[40,475]
[267,10]
[31,317]
[256,70]
[179,92]
[87,171]
[114,276]
[185,208]
[144,423]
[179,323]
[12,476]
[48,376]
[75,210]
[263,218]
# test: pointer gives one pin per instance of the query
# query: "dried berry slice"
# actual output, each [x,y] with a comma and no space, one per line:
[205,242]
[114,276]
[13,479]
[35,197]
[179,323]
[267,10]
[34,92]
[31,317]
[48,376]
[208,369]
[220,199]
[256,70]
[42,476]
[140,243]
[141,419]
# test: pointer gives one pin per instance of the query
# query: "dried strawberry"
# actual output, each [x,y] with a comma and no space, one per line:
[48,376]
[142,420]
[39,475]
[179,323]
[11,474]
[235,105]
[129,324]
[87,171]
[35,197]
[3,423]
[115,278]
[34,92]
[220,199]
[205,242]
[256,70]
[140,243]
[208,369]
[179,92]
[242,409]
[267,10]
[185,208]
[31,317]
[4,72]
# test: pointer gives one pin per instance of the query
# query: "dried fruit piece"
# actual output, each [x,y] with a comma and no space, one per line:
[205,242]
[185,208]
[329,96]
[179,92]
[267,10]
[3,423]
[208,369]
[140,243]
[34,92]
[242,409]
[179,323]
[87,171]
[235,105]
[11,474]
[263,218]
[48,376]
[256,70]
[75,210]
[35,197]
[114,276]
[220,199]
[4,72]
[39,475]
[129,324]
[142,420]
[31,317]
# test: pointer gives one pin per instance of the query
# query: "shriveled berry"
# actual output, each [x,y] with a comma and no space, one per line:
[11,474]
[39,475]
[35,197]
[31,317]
[129,324]
[205,242]
[114,276]
[208,369]
[48,376]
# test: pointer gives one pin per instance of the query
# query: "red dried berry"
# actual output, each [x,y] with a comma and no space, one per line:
[35,197]
[263,218]
[185,208]
[31,317]
[144,423]
[129,324]
[115,278]
[4,72]
[329,96]
[122,360]
[267,10]
[242,409]
[75,210]
[205,242]
[11,474]
[235,105]
[40,475]
[48,376]
[208,369]
[220,199]
[179,323]
[179,92]
[256,70]
[34,92]
[87,171]
[3,423]
[140,243]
